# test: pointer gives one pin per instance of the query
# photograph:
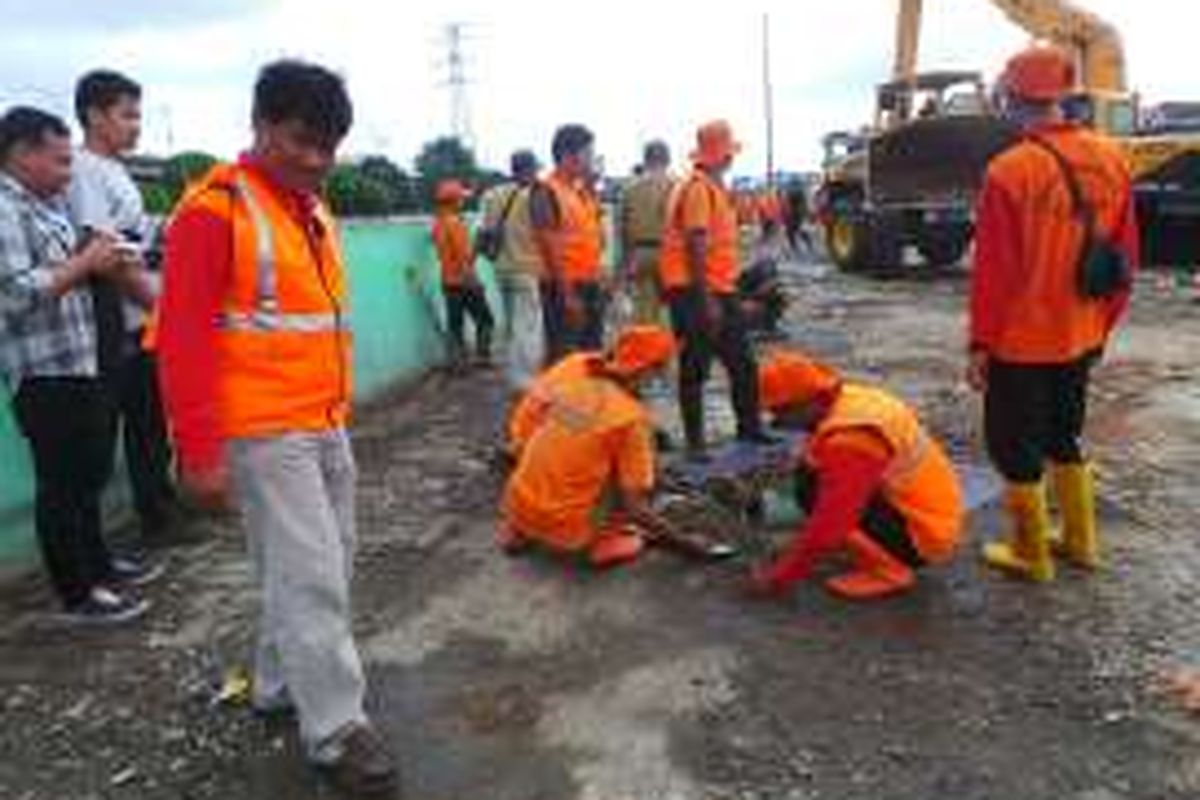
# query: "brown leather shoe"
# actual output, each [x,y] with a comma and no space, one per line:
[365,768]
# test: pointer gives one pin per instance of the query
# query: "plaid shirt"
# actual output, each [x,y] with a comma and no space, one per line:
[40,336]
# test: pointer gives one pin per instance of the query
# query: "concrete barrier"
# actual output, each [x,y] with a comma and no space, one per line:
[396,314]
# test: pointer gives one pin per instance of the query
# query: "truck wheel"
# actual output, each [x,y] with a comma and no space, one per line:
[941,247]
[887,247]
[848,242]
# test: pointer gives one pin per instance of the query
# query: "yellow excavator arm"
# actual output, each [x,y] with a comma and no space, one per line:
[1096,42]
[908,41]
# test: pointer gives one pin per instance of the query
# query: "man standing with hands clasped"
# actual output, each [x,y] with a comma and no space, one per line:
[52,362]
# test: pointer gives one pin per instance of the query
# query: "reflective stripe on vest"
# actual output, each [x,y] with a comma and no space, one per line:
[267,318]
[861,407]
[905,461]
[264,248]
[265,321]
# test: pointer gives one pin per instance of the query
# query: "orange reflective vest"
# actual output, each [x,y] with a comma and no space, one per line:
[769,208]
[531,407]
[283,327]
[920,482]
[150,331]
[700,196]
[579,235]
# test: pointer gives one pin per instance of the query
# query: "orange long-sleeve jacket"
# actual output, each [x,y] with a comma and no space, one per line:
[1025,305]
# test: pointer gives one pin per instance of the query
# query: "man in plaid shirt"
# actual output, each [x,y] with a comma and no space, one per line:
[48,359]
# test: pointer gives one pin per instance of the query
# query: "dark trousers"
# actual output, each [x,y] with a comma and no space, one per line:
[145,441]
[69,423]
[881,522]
[796,233]
[464,301]
[699,347]
[564,336]
[1034,414]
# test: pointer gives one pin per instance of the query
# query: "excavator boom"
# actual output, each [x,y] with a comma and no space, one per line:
[1096,42]
[908,41]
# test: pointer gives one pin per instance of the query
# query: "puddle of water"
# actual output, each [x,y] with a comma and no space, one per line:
[980,483]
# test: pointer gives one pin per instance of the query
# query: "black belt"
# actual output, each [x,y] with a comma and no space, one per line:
[648,243]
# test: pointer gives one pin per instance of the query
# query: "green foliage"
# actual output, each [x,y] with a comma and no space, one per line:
[157,198]
[401,191]
[351,194]
[446,158]
[184,168]
[371,187]
[163,183]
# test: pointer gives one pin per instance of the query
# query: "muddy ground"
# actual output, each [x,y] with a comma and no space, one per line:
[527,679]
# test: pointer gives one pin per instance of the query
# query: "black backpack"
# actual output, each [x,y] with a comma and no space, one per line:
[489,240]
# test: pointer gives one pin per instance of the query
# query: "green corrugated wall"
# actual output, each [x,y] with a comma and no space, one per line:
[395,312]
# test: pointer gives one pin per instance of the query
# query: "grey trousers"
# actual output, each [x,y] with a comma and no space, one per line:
[522,331]
[296,493]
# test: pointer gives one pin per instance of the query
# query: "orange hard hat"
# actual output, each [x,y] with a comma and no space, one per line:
[451,191]
[792,379]
[640,348]
[715,143]
[1042,73]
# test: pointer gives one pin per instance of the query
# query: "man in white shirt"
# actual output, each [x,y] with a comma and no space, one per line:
[103,197]
[519,268]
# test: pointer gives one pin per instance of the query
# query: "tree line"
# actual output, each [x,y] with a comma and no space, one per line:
[371,186]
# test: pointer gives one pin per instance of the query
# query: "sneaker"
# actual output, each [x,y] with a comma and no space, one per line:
[130,572]
[106,607]
[364,767]
[279,708]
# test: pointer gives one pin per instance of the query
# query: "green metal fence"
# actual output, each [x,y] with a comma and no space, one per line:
[396,315]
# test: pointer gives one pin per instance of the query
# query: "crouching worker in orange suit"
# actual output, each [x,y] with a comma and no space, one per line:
[585,474]
[871,479]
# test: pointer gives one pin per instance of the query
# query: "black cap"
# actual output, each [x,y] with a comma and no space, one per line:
[656,152]
[523,161]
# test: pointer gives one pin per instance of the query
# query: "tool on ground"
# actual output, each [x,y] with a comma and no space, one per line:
[236,687]
[720,502]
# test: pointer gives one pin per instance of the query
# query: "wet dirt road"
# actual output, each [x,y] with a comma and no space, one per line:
[527,679]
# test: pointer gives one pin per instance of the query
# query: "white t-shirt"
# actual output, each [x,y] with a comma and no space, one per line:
[102,195]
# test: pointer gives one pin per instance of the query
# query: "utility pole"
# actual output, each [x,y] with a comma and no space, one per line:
[169,127]
[457,82]
[768,98]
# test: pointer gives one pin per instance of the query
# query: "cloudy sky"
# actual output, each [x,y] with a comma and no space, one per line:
[628,69]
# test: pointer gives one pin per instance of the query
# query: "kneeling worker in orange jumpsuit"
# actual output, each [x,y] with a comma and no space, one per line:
[594,437]
[872,480]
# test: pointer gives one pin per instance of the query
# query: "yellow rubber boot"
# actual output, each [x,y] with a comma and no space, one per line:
[1074,486]
[1027,554]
